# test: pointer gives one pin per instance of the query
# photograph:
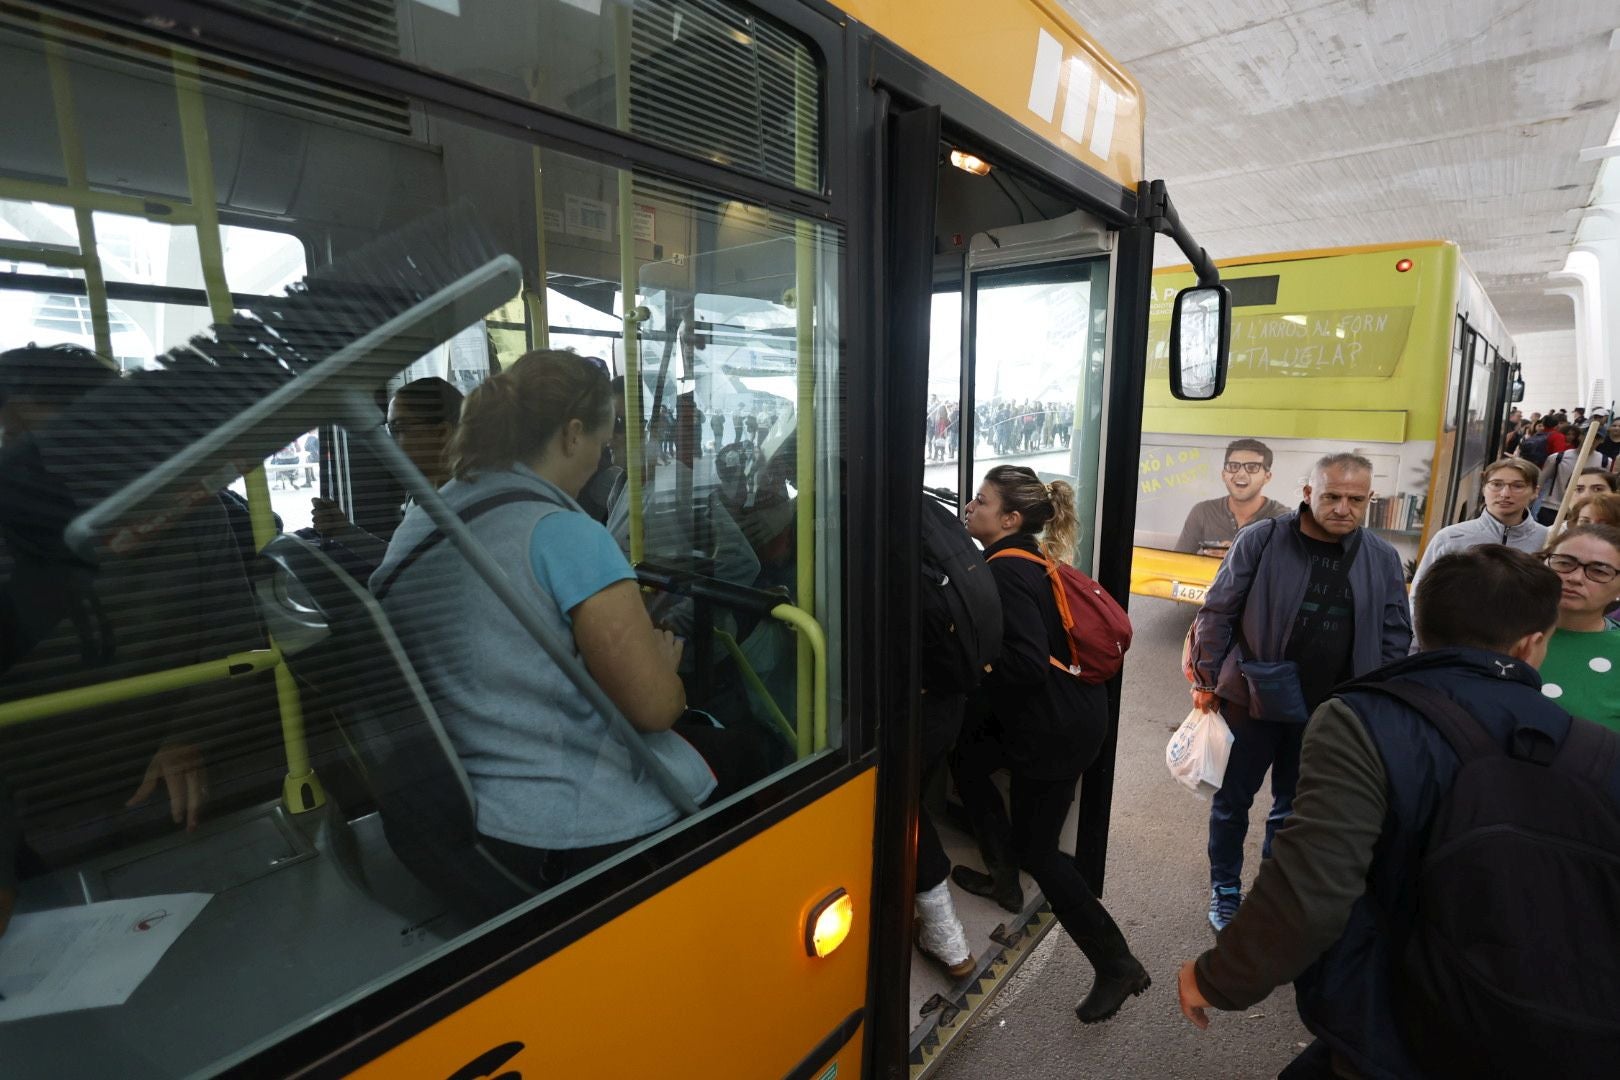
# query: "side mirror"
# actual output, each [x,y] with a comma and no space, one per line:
[1200,336]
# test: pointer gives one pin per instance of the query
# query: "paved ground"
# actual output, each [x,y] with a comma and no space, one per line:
[1157,888]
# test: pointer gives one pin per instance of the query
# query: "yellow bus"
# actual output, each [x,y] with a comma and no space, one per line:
[240,831]
[1391,350]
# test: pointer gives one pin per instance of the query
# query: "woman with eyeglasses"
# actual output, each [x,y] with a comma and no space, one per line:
[1582,669]
[555,789]
[1504,517]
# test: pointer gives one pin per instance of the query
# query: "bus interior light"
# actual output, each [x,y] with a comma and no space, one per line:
[1403,266]
[969,163]
[829,923]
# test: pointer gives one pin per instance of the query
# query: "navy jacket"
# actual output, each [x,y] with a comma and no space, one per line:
[1263,580]
[1346,997]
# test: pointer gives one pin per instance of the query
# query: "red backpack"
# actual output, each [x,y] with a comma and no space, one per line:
[1099,630]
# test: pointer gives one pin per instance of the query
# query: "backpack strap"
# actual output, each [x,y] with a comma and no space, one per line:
[467,514]
[1461,730]
[1064,614]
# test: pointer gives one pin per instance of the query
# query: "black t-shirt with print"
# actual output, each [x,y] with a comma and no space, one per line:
[1324,627]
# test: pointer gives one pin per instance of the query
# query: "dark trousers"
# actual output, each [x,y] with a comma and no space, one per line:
[941,716]
[1257,745]
[1315,1062]
[1029,839]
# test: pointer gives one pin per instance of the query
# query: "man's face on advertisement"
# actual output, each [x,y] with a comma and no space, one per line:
[1245,475]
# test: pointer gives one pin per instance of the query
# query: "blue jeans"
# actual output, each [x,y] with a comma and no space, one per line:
[1257,745]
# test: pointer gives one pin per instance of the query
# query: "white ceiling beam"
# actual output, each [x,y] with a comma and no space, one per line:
[1597,153]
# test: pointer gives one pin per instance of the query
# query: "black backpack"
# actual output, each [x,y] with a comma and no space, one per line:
[959,607]
[1512,963]
[1533,449]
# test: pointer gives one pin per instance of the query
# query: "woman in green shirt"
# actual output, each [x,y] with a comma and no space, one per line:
[1582,669]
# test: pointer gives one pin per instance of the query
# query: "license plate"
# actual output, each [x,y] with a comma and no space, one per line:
[1180,590]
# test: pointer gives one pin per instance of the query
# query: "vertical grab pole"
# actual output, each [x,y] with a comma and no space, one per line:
[78,182]
[301,790]
[628,280]
[534,297]
[812,727]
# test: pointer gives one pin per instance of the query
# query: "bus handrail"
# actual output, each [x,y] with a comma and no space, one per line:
[117,691]
[810,632]
[756,684]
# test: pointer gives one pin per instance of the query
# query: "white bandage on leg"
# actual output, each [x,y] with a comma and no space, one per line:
[939,931]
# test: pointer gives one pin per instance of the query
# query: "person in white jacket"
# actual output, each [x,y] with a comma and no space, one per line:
[1510,487]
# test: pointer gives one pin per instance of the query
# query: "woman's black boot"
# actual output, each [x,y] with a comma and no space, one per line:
[1120,975]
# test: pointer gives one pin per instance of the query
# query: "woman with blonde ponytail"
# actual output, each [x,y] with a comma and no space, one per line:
[553,794]
[1034,718]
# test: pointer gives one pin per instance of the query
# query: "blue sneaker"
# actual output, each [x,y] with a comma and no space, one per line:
[1223,905]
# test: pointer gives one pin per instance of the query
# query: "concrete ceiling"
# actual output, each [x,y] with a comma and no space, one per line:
[1289,124]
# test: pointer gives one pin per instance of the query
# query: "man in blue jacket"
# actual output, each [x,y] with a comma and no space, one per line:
[1313,588]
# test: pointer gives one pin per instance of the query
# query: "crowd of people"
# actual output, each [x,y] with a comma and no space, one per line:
[1001,427]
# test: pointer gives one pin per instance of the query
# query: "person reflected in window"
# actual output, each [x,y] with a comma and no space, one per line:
[555,792]
[1212,525]
[671,537]
[179,599]
[422,417]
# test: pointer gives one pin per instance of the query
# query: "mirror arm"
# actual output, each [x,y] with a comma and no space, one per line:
[1159,214]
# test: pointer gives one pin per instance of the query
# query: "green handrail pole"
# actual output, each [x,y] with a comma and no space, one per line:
[815,642]
[534,297]
[755,683]
[301,790]
[117,691]
[128,205]
[78,179]
[629,278]
[804,289]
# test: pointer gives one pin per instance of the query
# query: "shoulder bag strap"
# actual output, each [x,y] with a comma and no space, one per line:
[1064,615]
[1460,729]
[432,540]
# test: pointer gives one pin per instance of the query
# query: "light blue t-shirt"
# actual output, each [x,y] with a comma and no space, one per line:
[574,558]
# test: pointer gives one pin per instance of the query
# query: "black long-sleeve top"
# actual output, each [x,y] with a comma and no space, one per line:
[1050,722]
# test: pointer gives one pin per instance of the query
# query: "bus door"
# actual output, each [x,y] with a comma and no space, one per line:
[1018,335]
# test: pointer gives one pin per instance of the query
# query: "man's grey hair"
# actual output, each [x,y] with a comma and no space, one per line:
[1346,461]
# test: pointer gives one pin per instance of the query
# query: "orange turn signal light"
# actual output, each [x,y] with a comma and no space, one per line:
[829,923]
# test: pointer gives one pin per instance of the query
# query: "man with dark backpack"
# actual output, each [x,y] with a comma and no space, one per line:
[1444,895]
[959,633]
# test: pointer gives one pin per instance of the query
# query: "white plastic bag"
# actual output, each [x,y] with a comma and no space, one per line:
[1198,750]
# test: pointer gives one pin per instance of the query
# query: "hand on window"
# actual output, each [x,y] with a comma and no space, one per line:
[181,768]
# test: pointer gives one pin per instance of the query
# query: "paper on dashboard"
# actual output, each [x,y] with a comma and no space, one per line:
[89,956]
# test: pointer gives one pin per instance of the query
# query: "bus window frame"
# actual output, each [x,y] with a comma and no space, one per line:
[414,997]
